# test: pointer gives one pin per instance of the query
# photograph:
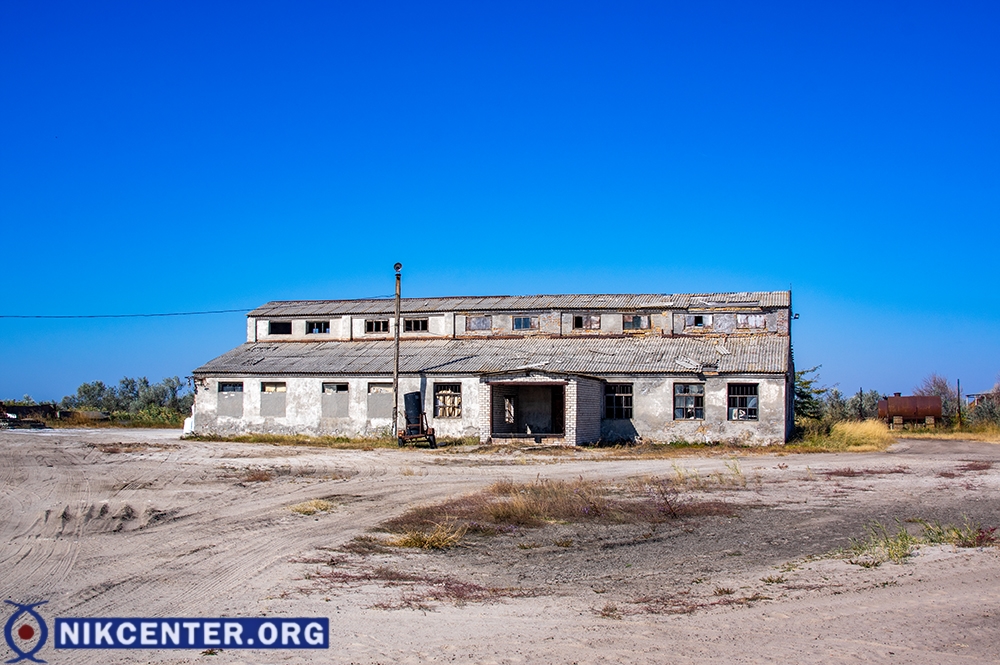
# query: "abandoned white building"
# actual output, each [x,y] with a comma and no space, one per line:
[573,369]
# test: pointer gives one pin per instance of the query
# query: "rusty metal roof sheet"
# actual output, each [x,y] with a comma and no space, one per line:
[592,356]
[626,302]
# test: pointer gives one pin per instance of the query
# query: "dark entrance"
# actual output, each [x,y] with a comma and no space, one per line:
[528,410]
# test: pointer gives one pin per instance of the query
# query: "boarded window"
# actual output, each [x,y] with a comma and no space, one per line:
[525,323]
[377,325]
[751,321]
[272,400]
[635,322]
[279,327]
[698,321]
[479,323]
[415,325]
[447,400]
[618,401]
[586,322]
[230,399]
[317,327]
[379,400]
[689,401]
[743,401]
[335,400]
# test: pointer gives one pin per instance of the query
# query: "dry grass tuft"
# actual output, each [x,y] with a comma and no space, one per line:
[257,476]
[312,507]
[610,611]
[441,537]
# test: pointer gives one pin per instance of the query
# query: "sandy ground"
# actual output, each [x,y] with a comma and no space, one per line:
[140,523]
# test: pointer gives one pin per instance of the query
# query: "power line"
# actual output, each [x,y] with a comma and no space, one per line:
[140,316]
[116,316]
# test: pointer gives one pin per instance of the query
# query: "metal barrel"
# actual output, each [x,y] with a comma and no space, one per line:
[411,405]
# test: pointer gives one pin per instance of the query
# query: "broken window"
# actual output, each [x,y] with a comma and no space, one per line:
[751,321]
[618,401]
[587,322]
[415,325]
[334,400]
[525,323]
[479,322]
[689,401]
[317,327]
[377,325]
[279,327]
[447,400]
[698,321]
[743,401]
[231,387]
[635,322]
[272,399]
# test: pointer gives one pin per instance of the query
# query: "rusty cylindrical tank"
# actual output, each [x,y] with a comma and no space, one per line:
[916,407]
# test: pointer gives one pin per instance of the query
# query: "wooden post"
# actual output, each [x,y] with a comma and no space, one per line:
[395,359]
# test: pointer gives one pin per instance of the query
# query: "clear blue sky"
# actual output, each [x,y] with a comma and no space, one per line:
[163,157]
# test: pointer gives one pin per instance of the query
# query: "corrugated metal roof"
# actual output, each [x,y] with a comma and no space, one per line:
[594,356]
[627,302]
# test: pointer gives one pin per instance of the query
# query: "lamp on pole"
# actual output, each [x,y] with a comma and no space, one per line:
[395,357]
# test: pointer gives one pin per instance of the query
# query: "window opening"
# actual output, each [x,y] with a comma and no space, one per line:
[689,401]
[525,322]
[698,321]
[479,322]
[279,327]
[618,401]
[231,387]
[273,388]
[751,321]
[317,327]
[377,325]
[508,409]
[635,322]
[447,400]
[587,322]
[415,325]
[743,401]
[334,388]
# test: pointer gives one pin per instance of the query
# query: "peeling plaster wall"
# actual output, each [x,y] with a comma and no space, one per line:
[304,410]
[652,419]
[652,403]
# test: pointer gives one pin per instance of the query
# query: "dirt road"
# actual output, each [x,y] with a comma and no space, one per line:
[140,523]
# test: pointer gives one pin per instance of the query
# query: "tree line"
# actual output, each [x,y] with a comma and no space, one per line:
[131,396]
[819,407]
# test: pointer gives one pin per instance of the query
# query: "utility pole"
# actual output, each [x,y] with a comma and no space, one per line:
[958,401]
[395,358]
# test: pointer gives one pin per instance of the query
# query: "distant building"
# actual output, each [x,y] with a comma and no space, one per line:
[572,369]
